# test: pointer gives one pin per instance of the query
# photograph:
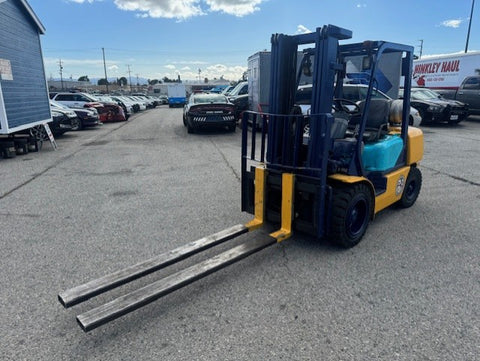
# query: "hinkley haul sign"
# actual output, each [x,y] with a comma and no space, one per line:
[445,71]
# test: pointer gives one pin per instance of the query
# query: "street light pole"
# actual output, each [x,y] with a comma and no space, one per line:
[105,69]
[469,26]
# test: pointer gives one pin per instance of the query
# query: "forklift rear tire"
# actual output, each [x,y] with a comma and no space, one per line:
[412,188]
[351,210]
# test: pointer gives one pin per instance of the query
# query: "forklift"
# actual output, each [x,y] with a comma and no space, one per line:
[325,172]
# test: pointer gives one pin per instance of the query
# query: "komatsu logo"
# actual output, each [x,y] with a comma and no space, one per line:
[400,185]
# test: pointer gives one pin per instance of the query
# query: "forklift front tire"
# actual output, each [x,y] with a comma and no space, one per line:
[351,210]
[412,188]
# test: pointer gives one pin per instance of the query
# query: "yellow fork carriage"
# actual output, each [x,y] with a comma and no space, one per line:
[325,171]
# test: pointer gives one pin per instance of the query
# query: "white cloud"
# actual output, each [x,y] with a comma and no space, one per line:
[452,23]
[361,6]
[234,7]
[172,9]
[113,67]
[189,62]
[184,9]
[210,72]
[186,68]
[170,66]
[303,29]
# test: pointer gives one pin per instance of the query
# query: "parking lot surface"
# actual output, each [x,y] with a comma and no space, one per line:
[114,196]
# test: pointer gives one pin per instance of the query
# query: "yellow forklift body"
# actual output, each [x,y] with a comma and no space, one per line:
[415,145]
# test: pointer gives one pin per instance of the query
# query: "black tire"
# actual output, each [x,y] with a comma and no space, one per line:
[190,129]
[232,128]
[79,125]
[351,211]
[412,188]
[184,121]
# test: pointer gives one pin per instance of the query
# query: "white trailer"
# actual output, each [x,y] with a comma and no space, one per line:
[445,71]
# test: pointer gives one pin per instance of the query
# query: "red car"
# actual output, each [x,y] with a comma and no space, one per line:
[108,112]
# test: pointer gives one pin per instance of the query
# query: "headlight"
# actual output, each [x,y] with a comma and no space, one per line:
[435,108]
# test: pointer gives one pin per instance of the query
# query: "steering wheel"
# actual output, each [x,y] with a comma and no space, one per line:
[345,105]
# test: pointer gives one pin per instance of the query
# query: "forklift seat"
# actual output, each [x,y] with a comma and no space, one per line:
[377,119]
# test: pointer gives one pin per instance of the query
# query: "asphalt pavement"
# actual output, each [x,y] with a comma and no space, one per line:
[116,195]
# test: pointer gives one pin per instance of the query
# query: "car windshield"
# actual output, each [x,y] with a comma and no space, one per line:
[209,98]
[376,94]
[304,94]
[91,97]
[58,105]
[104,98]
[424,94]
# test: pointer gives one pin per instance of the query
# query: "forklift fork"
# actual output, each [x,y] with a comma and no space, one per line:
[147,294]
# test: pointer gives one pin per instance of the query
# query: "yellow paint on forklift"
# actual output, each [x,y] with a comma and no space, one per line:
[348,178]
[415,145]
[259,199]
[288,191]
[395,187]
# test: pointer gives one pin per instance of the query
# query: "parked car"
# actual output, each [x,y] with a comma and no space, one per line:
[240,89]
[142,104]
[218,89]
[61,122]
[227,90]
[354,93]
[163,99]
[150,102]
[106,99]
[209,110]
[107,111]
[87,117]
[468,92]
[241,104]
[131,106]
[60,108]
[434,108]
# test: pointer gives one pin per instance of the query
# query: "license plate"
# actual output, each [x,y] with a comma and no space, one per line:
[454,117]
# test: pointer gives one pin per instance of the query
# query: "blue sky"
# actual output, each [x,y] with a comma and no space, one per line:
[158,38]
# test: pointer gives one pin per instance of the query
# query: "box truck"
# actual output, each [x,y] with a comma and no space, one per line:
[177,96]
[445,71]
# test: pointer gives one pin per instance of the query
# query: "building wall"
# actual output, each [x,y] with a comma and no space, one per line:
[25,97]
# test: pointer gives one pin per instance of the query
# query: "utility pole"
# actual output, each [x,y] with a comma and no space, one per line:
[421,48]
[105,69]
[61,71]
[469,26]
[199,72]
[129,78]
